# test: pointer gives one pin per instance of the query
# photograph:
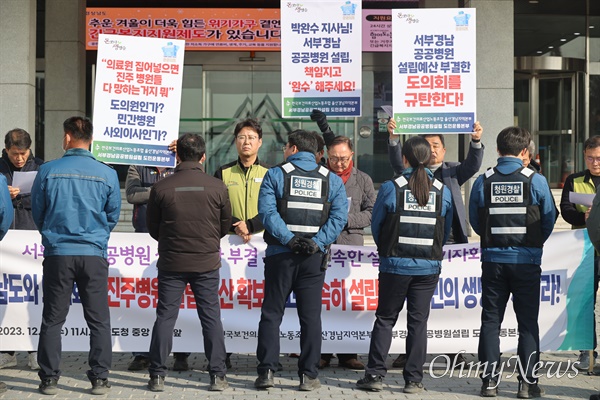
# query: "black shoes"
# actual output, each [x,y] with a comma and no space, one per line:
[400,361]
[218,383]
[370,382]
[529,390]
[489,388]
[265,380]
[49,386]
[156,383]
[307,383]
[181,363]
[413,387]
[139,363]
[100,386]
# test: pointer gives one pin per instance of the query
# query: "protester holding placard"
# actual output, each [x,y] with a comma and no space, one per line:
[587,182]
[512,210]
[76,203]
[412,218]
[303,208]
[17,157]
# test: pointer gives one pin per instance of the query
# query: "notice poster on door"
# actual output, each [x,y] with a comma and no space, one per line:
[321,57]
[137,99]
[433,70]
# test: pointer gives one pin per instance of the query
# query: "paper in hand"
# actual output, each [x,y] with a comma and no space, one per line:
[581,198]
[24,181]
[388,110]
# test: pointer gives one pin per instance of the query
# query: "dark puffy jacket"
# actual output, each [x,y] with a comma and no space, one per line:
[188,213]
[22,203]
[137,189]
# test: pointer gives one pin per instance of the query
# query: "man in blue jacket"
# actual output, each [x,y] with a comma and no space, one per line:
[76,203]
[303,208]
[6,218]
[6,210]
[512,210]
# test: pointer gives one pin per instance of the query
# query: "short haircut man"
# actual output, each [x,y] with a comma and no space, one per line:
[243,178]
[298,228]
[585,182]
[188,214]
[17,157]
[251,123]
[76,201]
[511,228]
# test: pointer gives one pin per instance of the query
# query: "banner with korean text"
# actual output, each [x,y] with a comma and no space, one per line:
[206,29]
[137,100]
[349,298]
[377,30]
[433,70]
[321,57]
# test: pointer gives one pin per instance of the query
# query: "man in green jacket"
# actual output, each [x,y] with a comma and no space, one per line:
[585,182]
[243,178]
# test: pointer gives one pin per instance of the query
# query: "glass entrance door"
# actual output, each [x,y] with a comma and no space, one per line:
[556,126]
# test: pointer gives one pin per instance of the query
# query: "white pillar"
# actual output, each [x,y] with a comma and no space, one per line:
[17,66]
[65,69]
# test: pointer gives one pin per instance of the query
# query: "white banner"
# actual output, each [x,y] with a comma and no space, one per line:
[321,57]
[349,298]
[433,70]
[137,99]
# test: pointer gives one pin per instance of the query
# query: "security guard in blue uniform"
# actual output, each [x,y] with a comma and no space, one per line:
[513,211]
[412,219]
[303,208]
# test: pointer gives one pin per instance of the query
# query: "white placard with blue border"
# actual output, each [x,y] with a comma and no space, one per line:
[434,70]
[137,99]
[321,57]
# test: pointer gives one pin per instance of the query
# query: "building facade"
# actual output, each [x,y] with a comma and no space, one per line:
[538,66]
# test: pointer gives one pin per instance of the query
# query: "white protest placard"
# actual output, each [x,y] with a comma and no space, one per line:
[321,57]
[137,99]
[433,70]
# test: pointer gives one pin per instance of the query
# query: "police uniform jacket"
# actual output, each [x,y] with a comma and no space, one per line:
[385,205]
[76,202]
[540,195]
[22,203]
[272,189]
[453,175]
[188,213]
[6,211]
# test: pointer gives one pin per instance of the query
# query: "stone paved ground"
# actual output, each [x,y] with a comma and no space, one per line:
[337,383]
